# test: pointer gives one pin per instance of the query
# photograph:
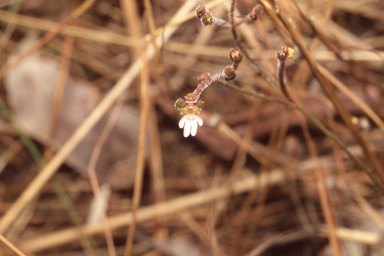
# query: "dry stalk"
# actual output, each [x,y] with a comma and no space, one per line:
[152,29]
[325,205]
[46,173]
[47,37]
[164,209]
[238,163]
[89,34]
[330,91]
[93,177]
[134,23]
[12,10]
[349,93]
[11,246]
[274,146]
[58,96]
[156,164]
[281,238]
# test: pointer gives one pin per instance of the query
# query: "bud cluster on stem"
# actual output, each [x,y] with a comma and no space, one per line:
[206,17]
[190,105]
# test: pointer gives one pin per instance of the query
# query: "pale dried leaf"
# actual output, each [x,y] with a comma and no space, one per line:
[30,87]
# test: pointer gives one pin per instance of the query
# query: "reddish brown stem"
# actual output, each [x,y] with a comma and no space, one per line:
[281,58]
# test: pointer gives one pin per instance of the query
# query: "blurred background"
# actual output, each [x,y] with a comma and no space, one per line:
[86,123]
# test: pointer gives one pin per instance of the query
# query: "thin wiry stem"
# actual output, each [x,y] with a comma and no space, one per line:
[252,93]
[331,93]
[327,132]
[281,57]
[311,117]
[254,63]
[133,21]
[206,18]
[317,123]
[286,53]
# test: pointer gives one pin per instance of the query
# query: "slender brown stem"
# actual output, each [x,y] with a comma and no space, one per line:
[281,58]
[256,65]
[252,93]
[330,91]
[280,74]
[313,119]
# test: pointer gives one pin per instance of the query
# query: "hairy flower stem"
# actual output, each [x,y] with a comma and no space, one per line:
[205,81]
[231,13]
[190,105]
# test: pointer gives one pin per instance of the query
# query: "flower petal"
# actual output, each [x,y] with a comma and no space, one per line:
[193,128]
[199,120]
[187,128]
[182,122]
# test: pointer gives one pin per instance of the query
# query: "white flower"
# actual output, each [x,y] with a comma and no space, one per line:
[190,124]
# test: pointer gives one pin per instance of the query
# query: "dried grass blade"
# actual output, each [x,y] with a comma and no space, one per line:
[328,88]
[125,81]
[47,37]
[349,93]
[158,210]
[11,246]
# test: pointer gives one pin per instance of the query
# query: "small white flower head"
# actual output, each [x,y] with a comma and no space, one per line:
[189,123]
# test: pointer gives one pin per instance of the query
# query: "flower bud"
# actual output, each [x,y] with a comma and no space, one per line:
[286,53]
[235,55]
[291,53]
[229,73]
[256,11]
[179,104]
[200,11]
[206,19]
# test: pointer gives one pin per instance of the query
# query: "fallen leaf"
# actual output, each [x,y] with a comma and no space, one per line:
[30,88]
